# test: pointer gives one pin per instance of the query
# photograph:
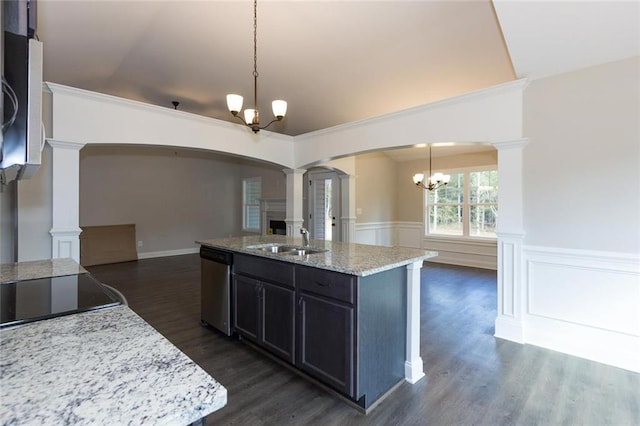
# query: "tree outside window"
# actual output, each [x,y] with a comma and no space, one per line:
[466,207]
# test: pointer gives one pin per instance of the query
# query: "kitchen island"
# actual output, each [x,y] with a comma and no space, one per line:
[101,367]
[346,315]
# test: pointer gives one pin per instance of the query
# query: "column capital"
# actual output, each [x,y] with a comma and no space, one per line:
[518,143]
[65,144]
[294,171]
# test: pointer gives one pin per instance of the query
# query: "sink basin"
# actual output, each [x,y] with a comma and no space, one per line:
[286,249]
[272,248]
[303,251]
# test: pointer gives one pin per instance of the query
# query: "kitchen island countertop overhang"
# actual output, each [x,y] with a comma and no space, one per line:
[348,258]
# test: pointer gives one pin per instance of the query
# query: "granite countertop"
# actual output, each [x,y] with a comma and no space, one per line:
[39,269]
[100,367]
[348,258]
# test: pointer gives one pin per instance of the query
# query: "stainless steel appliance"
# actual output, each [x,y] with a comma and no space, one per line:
[215,292]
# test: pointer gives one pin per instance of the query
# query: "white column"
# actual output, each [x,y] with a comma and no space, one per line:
[509,322]
[65,230]
[413,366]
[295,186]
[348,207]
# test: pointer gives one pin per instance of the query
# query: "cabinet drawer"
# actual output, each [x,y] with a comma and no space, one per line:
[264,269]
[327,283]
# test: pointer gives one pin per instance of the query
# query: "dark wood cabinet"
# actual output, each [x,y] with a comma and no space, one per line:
[264,312]
[246,306]
[345,331]
[278,315]
[326,340]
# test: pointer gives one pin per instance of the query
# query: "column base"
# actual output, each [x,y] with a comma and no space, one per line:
[413,370]
[65,243]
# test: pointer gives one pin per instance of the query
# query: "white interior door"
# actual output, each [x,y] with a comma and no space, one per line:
[324,206]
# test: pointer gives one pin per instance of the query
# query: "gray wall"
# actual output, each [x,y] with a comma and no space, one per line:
[7,208]
[582,164]
[32,198]
[173,196]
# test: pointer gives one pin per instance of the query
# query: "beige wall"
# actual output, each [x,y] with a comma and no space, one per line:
[410,199]
[582,163]
[174,196]
[376,187]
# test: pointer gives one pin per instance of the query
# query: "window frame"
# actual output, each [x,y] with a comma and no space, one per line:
[246,205]
[465,205]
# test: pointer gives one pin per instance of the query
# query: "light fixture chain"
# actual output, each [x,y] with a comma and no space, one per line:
[255,38]
[234,102]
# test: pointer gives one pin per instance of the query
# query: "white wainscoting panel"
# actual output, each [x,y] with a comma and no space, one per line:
[584,303]
[476,253]
[409,234]
[376,233]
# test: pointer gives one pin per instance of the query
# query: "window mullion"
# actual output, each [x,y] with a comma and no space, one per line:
[465,204]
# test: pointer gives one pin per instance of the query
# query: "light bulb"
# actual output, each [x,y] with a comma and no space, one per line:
[279,108]
[234,103]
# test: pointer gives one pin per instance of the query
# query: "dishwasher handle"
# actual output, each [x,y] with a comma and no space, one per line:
[219,256]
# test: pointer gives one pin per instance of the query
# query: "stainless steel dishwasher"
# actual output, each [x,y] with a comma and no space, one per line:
[215,295]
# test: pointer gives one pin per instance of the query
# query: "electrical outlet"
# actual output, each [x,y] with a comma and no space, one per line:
[140,244]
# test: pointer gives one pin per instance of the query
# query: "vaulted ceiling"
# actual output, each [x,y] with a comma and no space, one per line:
[333,61]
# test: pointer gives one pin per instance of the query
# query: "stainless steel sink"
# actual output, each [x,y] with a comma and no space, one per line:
[303,251]
[286,249]
[272,248]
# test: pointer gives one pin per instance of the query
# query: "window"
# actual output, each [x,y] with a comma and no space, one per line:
[251,193]
[466,207]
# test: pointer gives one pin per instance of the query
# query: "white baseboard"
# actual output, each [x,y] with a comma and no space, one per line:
[583,303]
[152,254]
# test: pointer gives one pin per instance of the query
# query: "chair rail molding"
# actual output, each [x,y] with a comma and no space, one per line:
[65,230]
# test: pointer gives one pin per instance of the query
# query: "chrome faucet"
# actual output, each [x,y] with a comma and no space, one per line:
[305,237]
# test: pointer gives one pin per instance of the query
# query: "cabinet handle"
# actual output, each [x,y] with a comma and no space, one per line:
[323,284]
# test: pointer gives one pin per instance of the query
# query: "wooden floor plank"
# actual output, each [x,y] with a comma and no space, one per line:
[471,377]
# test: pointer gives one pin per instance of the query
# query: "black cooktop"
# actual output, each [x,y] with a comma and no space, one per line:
[44,298]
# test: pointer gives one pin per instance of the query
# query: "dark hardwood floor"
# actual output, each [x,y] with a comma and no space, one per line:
[471,377]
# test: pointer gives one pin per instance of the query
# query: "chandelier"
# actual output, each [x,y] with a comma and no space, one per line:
[435,181]
[234,102]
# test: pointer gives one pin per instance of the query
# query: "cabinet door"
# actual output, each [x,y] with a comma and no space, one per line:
[246,306]
[278,317]
[326,340]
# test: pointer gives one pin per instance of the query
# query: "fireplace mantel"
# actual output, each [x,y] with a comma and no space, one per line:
[271,209]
